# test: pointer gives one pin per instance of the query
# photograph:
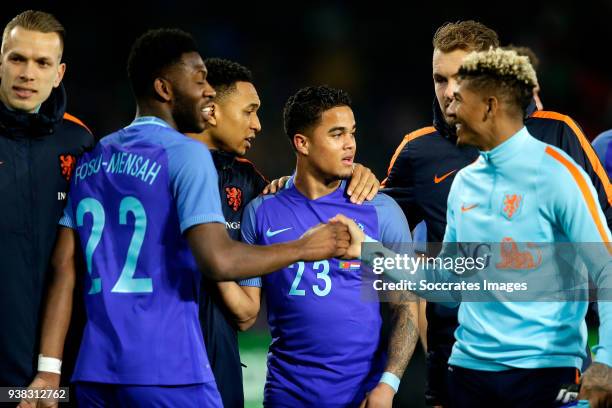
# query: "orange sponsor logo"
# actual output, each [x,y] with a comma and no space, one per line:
[511,257]
[67,163]
[468,208]
[443,177]
[511,205]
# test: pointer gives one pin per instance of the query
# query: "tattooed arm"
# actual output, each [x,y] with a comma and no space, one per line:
[393,228]
[402,340]
[404,333]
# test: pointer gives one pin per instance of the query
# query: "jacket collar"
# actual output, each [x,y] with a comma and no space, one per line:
[531,109]
[39,124]
[510,149]
[440,124]
[222,160]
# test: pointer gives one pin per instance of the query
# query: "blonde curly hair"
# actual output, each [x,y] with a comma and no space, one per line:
[502,63]
[503,71]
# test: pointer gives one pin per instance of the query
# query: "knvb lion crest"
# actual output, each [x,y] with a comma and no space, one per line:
[67,163]
[511,205]
[511,257]
[234,197]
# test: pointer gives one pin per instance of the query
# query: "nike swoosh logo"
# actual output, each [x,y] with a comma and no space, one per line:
[441,179]
[270,234]
[464,209]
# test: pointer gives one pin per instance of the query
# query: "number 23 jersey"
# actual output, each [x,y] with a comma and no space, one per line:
[326,343]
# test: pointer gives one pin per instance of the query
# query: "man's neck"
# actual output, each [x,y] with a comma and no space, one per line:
[149,110]
[206,138]
[312,184]
[504,131]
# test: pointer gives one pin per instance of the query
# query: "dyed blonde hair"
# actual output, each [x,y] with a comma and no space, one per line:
[502,71]
[501,63]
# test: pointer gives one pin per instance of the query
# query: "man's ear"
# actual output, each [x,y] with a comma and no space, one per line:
[300,142]
[492,107]
[163,89]
[214,115]
[61,70]
[1,58]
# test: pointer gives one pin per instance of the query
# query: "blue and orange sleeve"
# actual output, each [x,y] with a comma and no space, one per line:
[577,211]
[574,142]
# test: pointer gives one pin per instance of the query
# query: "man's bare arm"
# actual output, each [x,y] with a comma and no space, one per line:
[404,336]
[58,310]
[402,340]
[243,302]
[223,259]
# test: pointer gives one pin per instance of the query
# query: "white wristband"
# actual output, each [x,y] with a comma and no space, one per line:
[391,380]
[49,364]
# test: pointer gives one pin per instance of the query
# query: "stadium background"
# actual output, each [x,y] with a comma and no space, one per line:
[379,52]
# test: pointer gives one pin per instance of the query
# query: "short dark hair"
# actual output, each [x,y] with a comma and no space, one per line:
[304,109]
[153,52]
[223,75]
[508,74]
[35,20]
[467,35]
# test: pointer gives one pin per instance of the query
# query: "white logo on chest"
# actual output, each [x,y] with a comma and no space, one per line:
[270,234]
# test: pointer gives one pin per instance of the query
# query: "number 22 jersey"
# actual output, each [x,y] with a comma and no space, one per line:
[130,200]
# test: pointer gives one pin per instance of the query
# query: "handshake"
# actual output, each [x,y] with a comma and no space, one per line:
[339,238]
